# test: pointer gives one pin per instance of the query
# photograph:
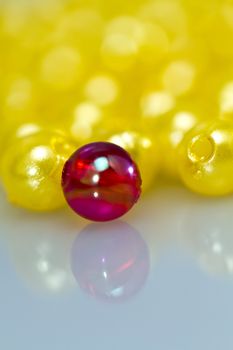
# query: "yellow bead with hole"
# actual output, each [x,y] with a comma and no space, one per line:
[205,158]
[172,129]
[31,169]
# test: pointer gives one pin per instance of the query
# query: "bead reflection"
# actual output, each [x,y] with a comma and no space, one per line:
[40,250]
[209,236]
[111,261]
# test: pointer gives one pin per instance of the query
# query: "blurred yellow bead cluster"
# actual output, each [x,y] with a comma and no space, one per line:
[155,77]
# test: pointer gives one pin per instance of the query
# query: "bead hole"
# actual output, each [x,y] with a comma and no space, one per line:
[201,149]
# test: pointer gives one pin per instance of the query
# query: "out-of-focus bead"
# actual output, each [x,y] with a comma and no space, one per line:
[31,169]
[226,100]
[218,31]
[142,148]
[83,124]
[178,77]
[122,39]
[169,14]
[170,132]
[101,89]
[205,158]
[11,134]
[154,44]
[101,182]
[61,67]
[80,27]
[155,104]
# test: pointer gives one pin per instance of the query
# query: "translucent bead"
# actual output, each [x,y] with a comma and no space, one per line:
[101,182]
[205,158]
[31,169]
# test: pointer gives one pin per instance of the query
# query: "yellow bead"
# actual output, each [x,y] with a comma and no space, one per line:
[140,146]
[31,169]
[102,89]
[87,116]
[61,68]
[170,133]
[178,77]
[144,151]
[205,158]
[155,104]
[121,42]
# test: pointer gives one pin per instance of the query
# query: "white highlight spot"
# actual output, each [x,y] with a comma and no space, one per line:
[101,164]
[131,170]
[96,194]
[95,178]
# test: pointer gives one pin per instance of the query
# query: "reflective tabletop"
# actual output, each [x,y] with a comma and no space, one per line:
[159,278]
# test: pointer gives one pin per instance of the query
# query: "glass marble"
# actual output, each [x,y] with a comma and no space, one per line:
[31,168]
[205,158]
[101,182]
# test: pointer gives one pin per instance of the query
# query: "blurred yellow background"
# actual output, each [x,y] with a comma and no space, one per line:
[142,74]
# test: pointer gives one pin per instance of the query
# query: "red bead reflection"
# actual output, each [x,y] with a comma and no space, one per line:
[110,261]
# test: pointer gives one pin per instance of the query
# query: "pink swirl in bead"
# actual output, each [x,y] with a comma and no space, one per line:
[101,182]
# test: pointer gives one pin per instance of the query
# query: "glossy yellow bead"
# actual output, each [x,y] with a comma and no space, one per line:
[31,169]
[205,158]
[171,130]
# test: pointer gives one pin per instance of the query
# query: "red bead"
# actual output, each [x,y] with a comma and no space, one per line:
[101,182]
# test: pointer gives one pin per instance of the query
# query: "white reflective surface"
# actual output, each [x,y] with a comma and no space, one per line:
[160,278]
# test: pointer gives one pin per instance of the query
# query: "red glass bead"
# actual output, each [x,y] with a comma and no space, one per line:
[101,182]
